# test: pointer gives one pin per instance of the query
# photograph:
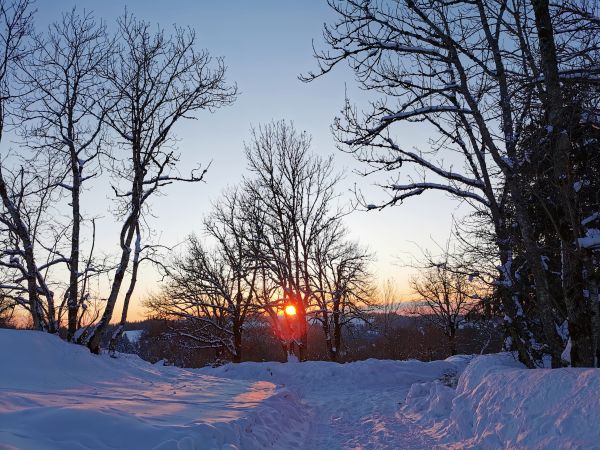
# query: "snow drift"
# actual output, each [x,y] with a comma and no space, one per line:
[56,395]
[498,403]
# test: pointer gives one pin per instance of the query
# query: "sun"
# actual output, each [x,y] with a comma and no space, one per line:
[290,310]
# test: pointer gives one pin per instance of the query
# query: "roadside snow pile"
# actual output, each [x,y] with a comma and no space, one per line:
[55,395]
[428,403]
[498,403]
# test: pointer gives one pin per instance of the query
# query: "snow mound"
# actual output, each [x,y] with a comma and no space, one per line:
[55,395]
[312,376]
[498,403]
[428,403]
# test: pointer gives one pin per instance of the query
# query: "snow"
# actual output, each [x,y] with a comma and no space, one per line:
[591,218]
[133,336]
[498,403]
[354,405]
[58,396]
[566,353]
[578,185]
[405,48]
[482,402]
[424,111]
[591,239]
[509,162]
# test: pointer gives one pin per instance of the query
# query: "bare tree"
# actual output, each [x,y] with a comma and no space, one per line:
[341,285]
[19,219]
[31,242]
[16,29]
[210,292]
[155,81]
[292,203]
[65,111]
[446,296]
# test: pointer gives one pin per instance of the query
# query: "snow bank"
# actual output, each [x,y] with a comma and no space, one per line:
[311,376]
[500,404]
[428,403]
[55,395]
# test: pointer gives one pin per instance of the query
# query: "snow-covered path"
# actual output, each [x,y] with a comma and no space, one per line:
[363,419]
[55,395]
[352,406]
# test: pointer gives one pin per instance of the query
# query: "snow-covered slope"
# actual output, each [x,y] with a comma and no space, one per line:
[55,395]
[499,404]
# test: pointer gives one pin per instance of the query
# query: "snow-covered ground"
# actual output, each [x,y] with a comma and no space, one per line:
[57,396]
[133,336]
[352,406]
[499,404]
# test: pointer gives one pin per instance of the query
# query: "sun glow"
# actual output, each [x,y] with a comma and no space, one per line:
[290,310]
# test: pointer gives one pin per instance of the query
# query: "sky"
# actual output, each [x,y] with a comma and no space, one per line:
[266,45]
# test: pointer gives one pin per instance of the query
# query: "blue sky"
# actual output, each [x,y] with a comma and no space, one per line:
[266,45]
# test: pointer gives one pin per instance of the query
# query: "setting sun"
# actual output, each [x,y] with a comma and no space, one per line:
[290,310]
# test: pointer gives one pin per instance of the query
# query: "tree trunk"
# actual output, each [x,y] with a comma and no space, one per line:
[129,229]
[134,271]
[327,334]
[35,306]
[37,314]
[332,350]
[337,331]
[237,342]
[569,227]
[73,300]
[544,302]
[302,339]
[452,340]
[580,317]
[509,296]
[303,346]
[94,340]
